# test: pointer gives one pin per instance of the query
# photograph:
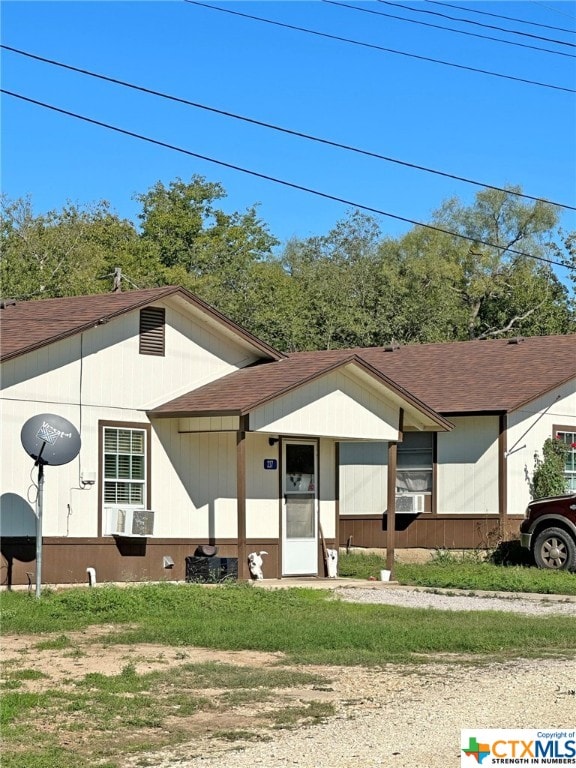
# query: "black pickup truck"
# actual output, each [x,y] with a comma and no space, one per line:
[549,532]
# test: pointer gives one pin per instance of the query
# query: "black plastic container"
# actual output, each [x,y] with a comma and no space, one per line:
[211,570]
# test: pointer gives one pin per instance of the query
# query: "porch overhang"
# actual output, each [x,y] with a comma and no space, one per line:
[349,400]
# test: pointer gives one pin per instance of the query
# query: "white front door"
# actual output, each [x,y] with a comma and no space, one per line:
[300,508]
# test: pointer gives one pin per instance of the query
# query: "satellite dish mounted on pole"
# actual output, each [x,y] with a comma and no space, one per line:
[49,440]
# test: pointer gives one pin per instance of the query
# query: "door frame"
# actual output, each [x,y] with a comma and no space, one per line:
[314,441]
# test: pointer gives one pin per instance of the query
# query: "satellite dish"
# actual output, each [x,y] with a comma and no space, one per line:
[50,440]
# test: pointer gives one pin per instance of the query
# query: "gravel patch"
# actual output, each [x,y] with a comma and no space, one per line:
[536,605]
[408,716]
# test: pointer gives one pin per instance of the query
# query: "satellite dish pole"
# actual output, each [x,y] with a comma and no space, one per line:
[39,509]
[48,439]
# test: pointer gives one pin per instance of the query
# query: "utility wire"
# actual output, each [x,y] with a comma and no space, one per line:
[554,10]
[448,29]
[278,128]
[499,16]
[378,47]
[478,23]
[283,182]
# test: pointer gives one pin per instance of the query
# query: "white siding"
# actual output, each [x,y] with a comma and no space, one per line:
[327,488]
[363,478]
[193,483]
[528,428]
[262,489]
[467,476]
[467,480]
[103,365]
[209,424]
[100,375]
[334,405]
[69,508]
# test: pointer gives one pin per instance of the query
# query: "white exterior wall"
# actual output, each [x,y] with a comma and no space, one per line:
[363,478]
[262,489]
[467,476]
[103,366]
[327,488]
[528,428]
[467,472]
[194,483]
[100,375]
[333,405]
[69,509]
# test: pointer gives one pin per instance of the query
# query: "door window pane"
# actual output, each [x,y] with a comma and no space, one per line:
[300,517]
[299,469]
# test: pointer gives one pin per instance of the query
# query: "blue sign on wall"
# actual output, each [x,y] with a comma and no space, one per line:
[270,463]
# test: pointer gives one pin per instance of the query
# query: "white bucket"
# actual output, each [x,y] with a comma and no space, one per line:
[385,575]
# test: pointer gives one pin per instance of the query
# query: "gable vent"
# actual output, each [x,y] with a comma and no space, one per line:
[152,331]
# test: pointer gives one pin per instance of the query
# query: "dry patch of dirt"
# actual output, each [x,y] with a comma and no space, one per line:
[84,654]
[180,710]
[361,712]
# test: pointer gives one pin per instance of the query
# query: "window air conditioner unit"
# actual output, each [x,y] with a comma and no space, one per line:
[130,522]
[413,502]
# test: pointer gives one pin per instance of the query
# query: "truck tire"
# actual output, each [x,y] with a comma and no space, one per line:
[555,549]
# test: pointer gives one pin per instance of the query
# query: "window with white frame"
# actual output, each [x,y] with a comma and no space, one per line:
[568,437]
[414,463]
[125,467]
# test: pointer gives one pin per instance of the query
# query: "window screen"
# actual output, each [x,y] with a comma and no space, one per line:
[124,466]
[414,463]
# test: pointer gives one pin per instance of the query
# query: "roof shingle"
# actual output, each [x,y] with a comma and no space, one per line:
[461,377]
[30,325]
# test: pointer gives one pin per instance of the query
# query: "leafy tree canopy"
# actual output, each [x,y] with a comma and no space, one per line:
[349,287]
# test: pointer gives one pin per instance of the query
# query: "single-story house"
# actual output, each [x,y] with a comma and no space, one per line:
[195,432]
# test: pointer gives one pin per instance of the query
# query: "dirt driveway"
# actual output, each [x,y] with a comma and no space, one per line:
[394,715]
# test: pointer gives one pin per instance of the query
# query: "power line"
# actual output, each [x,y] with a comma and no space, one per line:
[554,10]
[479,24]
[283,182]
[448,29]
[499,16]
[278,128]
[378,47]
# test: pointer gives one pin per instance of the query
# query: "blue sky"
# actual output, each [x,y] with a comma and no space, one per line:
[489,129]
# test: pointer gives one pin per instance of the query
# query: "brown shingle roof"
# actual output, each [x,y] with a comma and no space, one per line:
[477,376]
[29,325]
[244,390]
[461,377]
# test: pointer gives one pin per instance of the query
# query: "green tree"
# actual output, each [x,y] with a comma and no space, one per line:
[200,246]
[505,293]
[61,253]
[337,285]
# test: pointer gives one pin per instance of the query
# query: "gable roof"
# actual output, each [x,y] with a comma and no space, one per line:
[497,375]
[30,325]
[242,391]
[494,376]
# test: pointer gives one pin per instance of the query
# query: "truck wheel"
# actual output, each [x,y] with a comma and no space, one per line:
[555,549]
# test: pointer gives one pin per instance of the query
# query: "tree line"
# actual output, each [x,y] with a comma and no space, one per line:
[353,286]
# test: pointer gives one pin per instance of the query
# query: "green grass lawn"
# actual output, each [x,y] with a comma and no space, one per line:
[99,719]
[309,626]
[462,572]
